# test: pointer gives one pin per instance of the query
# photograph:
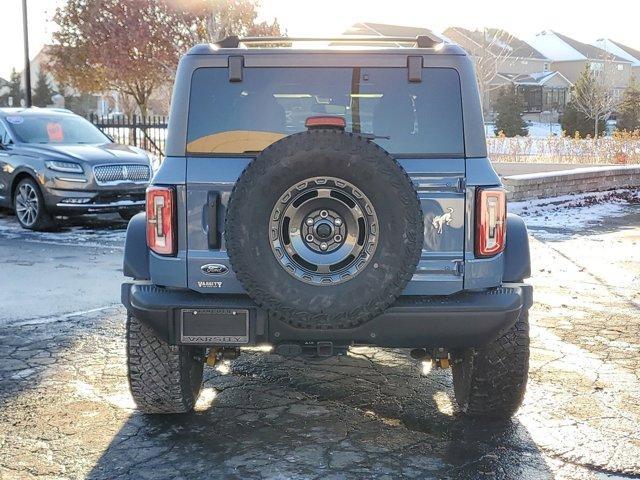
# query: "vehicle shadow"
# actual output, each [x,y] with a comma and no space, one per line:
[371,414]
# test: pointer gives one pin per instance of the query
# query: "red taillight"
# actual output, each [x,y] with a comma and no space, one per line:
[161,220]
[491,213]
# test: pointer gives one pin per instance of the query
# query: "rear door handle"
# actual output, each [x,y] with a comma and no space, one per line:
[213,238]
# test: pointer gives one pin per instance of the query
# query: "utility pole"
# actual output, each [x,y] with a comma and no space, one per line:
[27,65]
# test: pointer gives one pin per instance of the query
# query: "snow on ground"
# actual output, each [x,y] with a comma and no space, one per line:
[564,216]
[88,231]
[536,129]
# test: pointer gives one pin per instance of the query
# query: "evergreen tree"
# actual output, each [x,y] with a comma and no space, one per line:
[509,109]
[43,92]
[629,112]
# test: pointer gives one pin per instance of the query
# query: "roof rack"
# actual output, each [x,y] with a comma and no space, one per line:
[421,41]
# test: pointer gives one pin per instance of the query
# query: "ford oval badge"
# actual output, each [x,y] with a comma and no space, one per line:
[214,269]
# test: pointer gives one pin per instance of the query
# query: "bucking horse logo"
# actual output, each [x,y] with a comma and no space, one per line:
[439,221]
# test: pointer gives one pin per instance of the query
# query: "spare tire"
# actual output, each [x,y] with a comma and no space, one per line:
[324,229]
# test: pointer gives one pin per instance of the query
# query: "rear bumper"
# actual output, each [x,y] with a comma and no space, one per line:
[466,319]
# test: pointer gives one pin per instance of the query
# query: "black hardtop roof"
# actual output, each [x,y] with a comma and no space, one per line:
[421,45]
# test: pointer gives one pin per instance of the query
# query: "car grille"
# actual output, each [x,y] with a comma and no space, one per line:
[121,173]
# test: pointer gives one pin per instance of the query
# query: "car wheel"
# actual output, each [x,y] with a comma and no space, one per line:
[28,204]
[490,382]
[324,229]
[163,378]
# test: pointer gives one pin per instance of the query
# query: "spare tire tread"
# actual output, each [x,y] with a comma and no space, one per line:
[401,190]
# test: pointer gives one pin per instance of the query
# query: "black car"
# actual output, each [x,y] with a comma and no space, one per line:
[53,162]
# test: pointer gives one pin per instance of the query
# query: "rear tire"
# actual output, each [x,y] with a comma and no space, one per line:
[28,205]
[490,382]
[162,378]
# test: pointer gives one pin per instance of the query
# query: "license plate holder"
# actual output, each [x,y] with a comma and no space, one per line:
[214,326]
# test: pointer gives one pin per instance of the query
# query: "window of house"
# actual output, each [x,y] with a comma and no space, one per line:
[620,67]
[596,66]
[545,67]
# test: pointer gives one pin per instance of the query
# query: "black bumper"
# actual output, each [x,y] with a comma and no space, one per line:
[466,319]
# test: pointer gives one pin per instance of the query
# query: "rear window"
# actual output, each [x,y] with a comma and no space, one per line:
[270,103]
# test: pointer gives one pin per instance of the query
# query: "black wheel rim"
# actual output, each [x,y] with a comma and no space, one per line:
[323,231]
[27,204]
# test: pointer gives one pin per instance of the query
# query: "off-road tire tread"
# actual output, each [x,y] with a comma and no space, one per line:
[159,374]
[404,192]
[498,375]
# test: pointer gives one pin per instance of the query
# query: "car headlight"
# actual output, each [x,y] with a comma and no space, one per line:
[68,167]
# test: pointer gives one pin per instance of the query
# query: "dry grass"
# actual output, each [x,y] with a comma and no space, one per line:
[621,148]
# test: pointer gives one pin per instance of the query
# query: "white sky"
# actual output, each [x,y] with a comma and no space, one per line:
[585,20]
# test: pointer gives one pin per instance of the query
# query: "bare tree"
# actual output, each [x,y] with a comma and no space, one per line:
[495,50]
[594,94]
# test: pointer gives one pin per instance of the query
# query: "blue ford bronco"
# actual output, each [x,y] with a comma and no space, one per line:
[313,199]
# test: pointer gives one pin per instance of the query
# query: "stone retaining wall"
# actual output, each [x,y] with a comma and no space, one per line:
[581,180]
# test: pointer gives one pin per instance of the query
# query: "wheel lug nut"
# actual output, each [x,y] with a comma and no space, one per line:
[309,238]
[337,238]
[338,222]
[309,221]
[323,246]
[324,214]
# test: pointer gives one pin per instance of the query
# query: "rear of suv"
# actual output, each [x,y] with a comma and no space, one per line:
[316,199]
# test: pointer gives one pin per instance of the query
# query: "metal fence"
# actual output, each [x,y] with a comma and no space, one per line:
[149,133]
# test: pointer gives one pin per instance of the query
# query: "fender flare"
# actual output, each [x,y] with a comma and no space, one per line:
[136,252]
[517,259]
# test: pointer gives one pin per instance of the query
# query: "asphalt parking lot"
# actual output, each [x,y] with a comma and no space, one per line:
[65,410]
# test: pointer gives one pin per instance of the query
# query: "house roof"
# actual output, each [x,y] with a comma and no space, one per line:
[630,54]
[494,40]
[560,48]
[383,29]
[536,79]
[3,82]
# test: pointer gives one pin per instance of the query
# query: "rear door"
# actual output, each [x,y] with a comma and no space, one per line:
[419,123]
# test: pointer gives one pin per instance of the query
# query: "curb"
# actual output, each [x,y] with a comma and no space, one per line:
[565,182]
